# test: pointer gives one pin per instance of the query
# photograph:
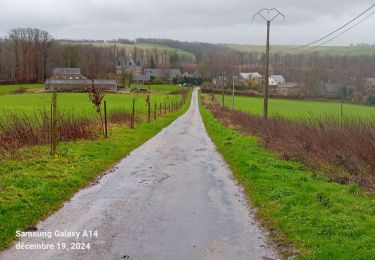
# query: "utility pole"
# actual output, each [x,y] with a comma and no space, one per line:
[268,15]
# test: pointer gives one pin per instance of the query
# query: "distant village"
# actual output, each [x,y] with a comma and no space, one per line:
[71,79]
[253,83]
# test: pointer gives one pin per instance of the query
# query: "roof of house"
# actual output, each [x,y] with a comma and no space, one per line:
[172,73]
[66,71]
[246,75]
[278,78]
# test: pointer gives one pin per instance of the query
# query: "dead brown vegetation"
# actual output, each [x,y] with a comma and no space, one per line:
[18,130]
[344,152]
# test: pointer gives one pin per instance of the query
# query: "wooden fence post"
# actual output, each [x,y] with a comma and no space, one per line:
[54,130]
[155,110]
[133,115]
[105,120]
[149,112]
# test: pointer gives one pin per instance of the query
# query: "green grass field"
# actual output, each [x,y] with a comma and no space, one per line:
[8,89]
[301,109]
[31,186]
[324,50]
[321,219]
[78,102]
[158,88]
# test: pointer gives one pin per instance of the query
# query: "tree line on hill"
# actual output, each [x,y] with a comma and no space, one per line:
[29,55]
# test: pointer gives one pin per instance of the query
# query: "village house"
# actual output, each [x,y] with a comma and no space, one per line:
[276,80]
[167,74]
[141,79]
[71,79]
[288,90]
[370,85]
[273,82]
[257,77]
[370,82]
[134,67]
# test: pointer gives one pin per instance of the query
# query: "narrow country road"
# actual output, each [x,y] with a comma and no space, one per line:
[172,198]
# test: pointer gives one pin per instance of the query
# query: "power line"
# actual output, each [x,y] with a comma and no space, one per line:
[335,31]
[350,28]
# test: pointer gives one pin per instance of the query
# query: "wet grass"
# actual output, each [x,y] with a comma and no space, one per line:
[158,88]
[78,103]
[302,109]
[307,215]
[20,88]
[36,184]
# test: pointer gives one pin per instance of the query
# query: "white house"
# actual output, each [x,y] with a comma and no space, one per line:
[275,80]
[250,75]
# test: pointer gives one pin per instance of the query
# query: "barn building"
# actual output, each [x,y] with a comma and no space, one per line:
[71,79]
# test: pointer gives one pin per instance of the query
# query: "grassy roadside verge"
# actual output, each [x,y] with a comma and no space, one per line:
[304,110]
[37,185]
[307,216]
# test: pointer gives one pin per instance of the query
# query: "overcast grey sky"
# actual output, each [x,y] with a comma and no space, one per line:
[216,21]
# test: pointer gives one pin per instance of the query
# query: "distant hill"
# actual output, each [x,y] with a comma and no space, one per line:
[326,50]
[130,46]
[192,49]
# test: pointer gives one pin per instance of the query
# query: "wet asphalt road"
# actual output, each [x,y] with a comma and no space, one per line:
[173,198]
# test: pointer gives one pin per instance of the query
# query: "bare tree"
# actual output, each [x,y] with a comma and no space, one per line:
[46,42]
[14,35]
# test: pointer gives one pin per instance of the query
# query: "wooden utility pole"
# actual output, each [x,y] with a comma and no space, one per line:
[268,15]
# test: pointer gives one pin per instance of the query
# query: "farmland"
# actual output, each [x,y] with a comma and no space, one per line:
[78,102]
[301,109]
[324,50]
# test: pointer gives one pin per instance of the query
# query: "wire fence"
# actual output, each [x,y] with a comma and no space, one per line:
[21,129]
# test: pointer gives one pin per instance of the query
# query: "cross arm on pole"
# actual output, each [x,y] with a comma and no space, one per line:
[276,12]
